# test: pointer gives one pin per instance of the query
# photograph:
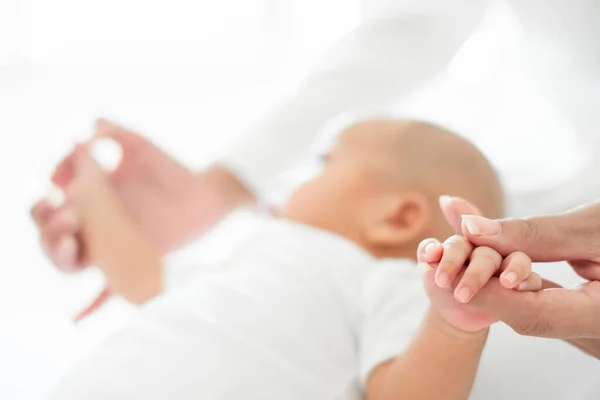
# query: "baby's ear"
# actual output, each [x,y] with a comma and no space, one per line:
[402,220]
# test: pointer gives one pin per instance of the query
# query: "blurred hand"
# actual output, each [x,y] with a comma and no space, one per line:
[169,202]
[556,312]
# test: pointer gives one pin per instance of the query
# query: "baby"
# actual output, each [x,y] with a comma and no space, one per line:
[325,302]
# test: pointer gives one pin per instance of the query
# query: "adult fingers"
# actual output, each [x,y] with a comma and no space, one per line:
[589,270]
[548,284]
[484,263]
[554,313]
[516,268]
[454,207]
[64,172]
[41,211]
[65,254]
[62,222]
[59,241]
[456,251]
[532,283]
[569,236]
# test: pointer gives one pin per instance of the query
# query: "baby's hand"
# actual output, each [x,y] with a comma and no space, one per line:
[456,270]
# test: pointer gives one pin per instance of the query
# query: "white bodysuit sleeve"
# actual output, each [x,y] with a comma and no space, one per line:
[379,62]
[394,304]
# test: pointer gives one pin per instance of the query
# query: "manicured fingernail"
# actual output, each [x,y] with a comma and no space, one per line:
[463,295]
[523,286]
[481,226]
[430,248]
[442,279]
[511,278]
[444,199]
[66,253]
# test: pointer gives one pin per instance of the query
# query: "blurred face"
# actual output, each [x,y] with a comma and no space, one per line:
[337,197]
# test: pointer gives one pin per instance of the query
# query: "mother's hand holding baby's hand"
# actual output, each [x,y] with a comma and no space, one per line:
[450,285]
[573,236]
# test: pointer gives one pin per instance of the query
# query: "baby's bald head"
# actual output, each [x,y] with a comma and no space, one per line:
[426,157]
[382,180]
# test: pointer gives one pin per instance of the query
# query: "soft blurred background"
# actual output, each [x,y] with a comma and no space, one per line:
[194,75]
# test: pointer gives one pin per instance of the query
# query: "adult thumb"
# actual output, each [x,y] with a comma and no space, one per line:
[545,238]
[553,312]
[454,207]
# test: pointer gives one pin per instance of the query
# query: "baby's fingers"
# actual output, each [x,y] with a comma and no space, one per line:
[517,268]
[484,264]
[456,251]
[430,251]
[533,283]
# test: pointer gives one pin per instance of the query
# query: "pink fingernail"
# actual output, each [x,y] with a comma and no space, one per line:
[481,226]
[511,278]
[442,279]
[430,248]
[463,295]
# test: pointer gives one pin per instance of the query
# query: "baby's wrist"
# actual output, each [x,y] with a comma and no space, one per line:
[438,322]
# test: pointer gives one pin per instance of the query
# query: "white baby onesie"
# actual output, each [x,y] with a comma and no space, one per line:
[296,313]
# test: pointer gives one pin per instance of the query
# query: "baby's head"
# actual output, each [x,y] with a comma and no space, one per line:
[380,184]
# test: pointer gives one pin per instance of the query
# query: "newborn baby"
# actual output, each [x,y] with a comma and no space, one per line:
[323,303]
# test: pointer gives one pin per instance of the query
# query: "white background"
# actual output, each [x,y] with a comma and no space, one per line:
[193,75]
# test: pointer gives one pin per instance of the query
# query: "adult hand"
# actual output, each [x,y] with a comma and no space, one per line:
[168,201]
[573,236]
[451,296]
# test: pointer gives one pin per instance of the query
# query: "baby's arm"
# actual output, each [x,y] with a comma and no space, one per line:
[129,261]
[440,364]
[442,360]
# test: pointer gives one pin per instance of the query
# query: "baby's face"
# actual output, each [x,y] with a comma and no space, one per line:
[338,196]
